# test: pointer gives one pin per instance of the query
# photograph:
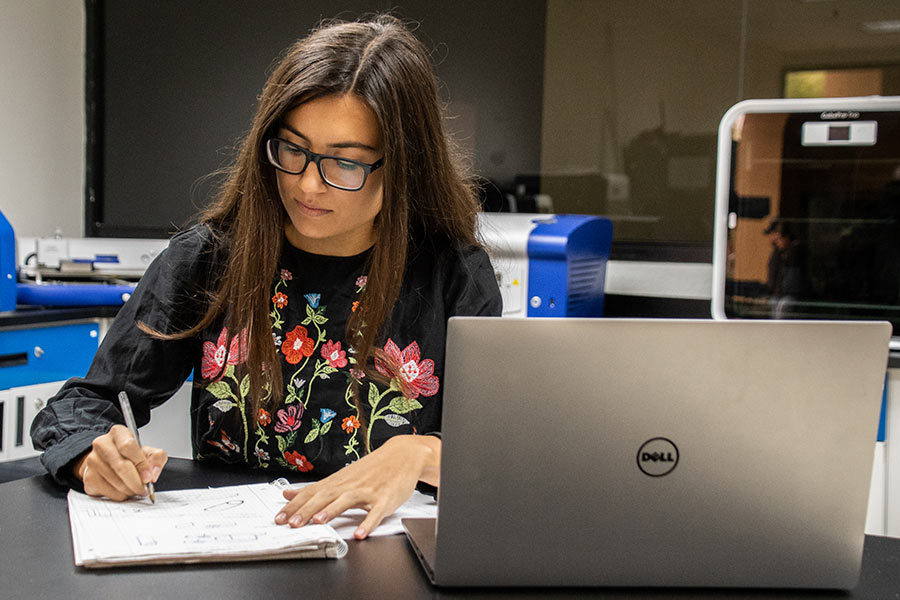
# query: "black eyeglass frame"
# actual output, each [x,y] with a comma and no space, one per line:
[311,156]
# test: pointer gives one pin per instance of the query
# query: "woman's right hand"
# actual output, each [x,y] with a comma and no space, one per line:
[116,467]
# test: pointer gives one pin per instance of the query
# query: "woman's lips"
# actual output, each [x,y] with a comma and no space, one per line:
[311,210]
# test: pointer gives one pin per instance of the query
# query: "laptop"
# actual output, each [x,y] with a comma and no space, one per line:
[648,452]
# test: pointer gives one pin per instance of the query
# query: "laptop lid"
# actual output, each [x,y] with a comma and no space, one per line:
[657,452]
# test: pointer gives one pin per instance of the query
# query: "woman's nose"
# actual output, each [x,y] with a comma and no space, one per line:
[311,181]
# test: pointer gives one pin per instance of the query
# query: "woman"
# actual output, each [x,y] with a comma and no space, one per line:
[311,299]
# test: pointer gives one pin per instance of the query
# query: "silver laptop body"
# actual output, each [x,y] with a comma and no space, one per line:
[629,452]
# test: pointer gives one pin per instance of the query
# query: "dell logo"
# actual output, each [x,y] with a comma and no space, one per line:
[657,457]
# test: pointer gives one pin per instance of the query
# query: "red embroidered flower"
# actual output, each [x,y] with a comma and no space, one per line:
[297,345]
[350,424]
[280,300]
[226,445]
[264,417]
[331,351]
[354,306]
[289,418]
[214,355]
[286,275]
[415,376]
[298,460]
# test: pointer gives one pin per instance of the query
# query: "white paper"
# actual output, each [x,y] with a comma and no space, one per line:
[227,523]
[419,505]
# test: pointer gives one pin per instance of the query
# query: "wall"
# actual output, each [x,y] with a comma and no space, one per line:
[625,95]
[42,116]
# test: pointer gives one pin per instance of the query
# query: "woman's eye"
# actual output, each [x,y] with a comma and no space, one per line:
[346,165]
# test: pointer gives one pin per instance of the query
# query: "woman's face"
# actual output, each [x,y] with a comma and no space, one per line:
[324,219]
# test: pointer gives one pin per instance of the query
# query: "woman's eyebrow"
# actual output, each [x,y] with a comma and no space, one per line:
[294,131]
[335,145]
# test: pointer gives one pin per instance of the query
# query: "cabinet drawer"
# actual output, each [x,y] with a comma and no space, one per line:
[43,354]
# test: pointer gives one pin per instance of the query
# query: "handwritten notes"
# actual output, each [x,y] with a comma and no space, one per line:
[211,525]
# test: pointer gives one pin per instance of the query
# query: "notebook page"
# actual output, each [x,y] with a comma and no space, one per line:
[229,522]
[419,505]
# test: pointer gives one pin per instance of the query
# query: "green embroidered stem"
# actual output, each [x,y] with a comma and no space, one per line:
[376,414]
[277,315]
[321,367]
[351,446]
[321,447]
[242,385]
[261,438]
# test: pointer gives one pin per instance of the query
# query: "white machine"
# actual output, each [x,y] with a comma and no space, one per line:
[548,265]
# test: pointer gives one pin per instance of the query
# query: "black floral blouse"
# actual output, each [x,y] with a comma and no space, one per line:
[316,428]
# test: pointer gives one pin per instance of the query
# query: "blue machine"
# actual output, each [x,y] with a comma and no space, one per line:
[49,294]
[548,265]
[7,265]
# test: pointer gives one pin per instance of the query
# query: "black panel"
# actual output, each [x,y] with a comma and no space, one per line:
[172,87]
[662,308]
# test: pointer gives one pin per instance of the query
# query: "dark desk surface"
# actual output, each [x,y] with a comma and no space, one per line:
[36,562]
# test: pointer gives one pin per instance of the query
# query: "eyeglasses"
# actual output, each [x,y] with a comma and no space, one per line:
[341,173]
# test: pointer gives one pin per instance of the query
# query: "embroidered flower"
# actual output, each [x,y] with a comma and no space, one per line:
[289,418]
[226,445]
[415,376]
[280,300]
[313,299]
[331,351]
[276,338]
[297,345]
[264,417]
[214,355]
[261,455]
[354,306]
[298,460]
[286,275]
[357,373]
[350,424]
[361,282]
[299,383]
[326,414]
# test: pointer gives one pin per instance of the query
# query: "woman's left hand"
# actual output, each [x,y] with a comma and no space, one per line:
[378,482]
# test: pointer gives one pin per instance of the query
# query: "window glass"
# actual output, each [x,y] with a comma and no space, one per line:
[634,91]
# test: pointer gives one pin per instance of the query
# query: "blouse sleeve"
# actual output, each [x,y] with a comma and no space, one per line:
[466,278]
[169,299]
[470,289]
[473,289]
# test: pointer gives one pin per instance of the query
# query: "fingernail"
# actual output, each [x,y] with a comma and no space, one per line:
[156,471]
[360,533]
[146,477]
[281,518]
[296,521]
[321,517]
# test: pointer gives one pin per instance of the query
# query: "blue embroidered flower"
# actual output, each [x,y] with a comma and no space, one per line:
[327,414]
[313,299]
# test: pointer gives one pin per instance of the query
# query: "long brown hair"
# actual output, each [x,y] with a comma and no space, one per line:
[429,199]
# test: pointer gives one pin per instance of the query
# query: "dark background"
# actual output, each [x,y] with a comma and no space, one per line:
[172,88]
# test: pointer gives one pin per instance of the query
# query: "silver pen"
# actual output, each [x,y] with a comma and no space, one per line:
[132,426]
